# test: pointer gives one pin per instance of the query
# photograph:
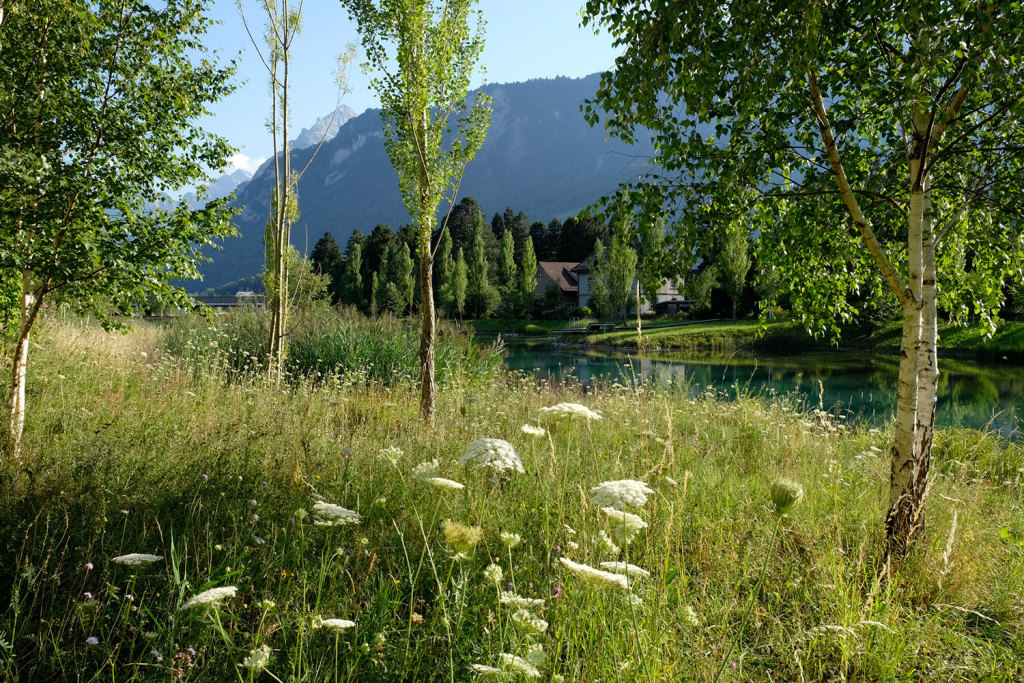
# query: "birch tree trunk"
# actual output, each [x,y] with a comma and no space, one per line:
[19,372]
[428,386]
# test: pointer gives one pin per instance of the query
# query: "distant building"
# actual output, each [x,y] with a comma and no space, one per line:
[559,273]
[668,300]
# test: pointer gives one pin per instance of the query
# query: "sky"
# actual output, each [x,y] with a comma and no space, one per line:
[524,39]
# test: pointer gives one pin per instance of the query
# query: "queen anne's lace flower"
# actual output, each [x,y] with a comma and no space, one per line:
[569,411]
[624,525]
[488,671]
[461,538]
[514,600]
[391,454]
[136,559]
[334,624]
[620,494]
[528,624]
[329,514]
[497,455]
[510,540]
[257,659]
[213,596]
[596,576]
[535,655]
[442,483]
[519,665]
[532,430]
[605,544]
[493,573]
[630,570]
[426,469]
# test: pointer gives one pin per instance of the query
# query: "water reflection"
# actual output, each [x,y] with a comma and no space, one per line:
[971,394]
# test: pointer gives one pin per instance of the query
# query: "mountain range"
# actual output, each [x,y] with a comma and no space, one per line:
[540,157]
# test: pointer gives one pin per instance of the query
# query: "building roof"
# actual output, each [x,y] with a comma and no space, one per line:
[559,272]
[583,267]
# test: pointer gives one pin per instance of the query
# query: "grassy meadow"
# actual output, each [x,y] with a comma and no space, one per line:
[168,442]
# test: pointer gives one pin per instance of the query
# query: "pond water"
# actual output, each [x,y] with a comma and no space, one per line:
[971,393]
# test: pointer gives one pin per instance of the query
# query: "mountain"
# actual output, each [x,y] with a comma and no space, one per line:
[221,187]
[539,157]
[325,128]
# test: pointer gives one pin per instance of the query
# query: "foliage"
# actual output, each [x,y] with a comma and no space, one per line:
[460,280]
[481,296]
[326,253]
[734,263]
[527,276]
[219,477]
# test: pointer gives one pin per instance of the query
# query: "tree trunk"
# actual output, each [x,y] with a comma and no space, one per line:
[428,387]
[19,373]
[908,475]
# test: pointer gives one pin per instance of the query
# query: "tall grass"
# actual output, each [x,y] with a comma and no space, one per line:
[158,454]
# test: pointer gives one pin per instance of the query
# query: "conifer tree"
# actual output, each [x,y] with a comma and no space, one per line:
[527,276]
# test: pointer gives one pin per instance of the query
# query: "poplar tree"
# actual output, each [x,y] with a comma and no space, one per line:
[527,276]
[423,53]
[481,296]
[460,280]
[445,266]
[352,282]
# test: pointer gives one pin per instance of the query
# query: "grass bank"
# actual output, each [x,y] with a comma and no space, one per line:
[132,449]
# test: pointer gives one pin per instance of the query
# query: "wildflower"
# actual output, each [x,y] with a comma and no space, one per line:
[488,671]
[156,655]
[595,576]
[426,469]
[519,665]
[87,595]
[620,494]
[333,624]
[136,559]
[570,411]
[257,659]
[88,566]
[212,596]
[528,624]
[630,570]
[605,544]
[267,604]
[92,640]
[461,538]
[624,525]
[510,540]
[508,598]
[785,494]
[443,483]
[690,616]
[535,655]
[493,573]
[328,514]
[572,545]
[532,430]
[253,503]
[390,455]
[497,455]
[556,592]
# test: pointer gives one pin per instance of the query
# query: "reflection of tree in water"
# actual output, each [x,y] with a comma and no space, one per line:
[969,393]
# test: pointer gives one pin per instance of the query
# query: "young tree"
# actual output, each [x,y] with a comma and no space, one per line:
[98,120]
[618,270]
[444,274]
[425,51]
[481,296]
[352,279]
[460,280]
[506,274]
[325,254]
[883,142]
[283,24]
[734,263]
[528,276]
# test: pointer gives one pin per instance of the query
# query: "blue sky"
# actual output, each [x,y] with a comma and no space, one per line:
[524,39]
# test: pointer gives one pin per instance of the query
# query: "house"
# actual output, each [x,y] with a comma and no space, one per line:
[667,301]
[560,273]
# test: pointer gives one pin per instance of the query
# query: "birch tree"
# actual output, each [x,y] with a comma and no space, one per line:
[882,143]
[423,53]
[97,122]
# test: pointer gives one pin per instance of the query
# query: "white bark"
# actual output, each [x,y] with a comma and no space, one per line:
[19,372]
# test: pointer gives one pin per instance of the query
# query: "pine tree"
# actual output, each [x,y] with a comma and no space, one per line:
[527,276]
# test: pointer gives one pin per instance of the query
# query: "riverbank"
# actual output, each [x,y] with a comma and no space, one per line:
[219,476]
[746,335]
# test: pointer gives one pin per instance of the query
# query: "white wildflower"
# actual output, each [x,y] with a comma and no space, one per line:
[497,455]
[535,655]
[514,600]
[257,659]
[267,604]
[596,576]
[620,494]
[510,540]
[624,525]
[519,665]
[572,545]
[630,570]
[329,514]
[690,616]
[532,430]
[390,455]
[493,573]
[570,411]
[136,559]
[528,624]
[605,544]
[211,597]
[569,530]
[442,483]
[426,469]
[333,624]
[488,671]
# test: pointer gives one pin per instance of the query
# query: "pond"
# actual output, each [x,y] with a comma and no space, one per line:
[971,393]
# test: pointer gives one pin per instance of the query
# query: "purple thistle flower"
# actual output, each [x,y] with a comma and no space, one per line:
[206,477]
[556,592]
[252,502]
[88,595]
[92,640]
[88,566]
